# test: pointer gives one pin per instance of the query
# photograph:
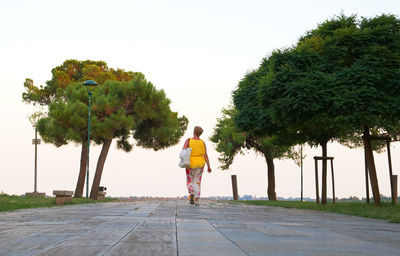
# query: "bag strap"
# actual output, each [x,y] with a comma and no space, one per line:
[188,143]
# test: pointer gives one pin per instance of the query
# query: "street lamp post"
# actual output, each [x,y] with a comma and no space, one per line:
[35,141]
[35,193]
[301,169]
[90,86]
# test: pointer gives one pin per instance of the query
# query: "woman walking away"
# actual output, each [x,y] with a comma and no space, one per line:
[198,159]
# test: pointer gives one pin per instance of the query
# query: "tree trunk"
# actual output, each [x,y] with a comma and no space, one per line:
[324,172]
[99,168]
[271,179]
[82,172]
[371,166]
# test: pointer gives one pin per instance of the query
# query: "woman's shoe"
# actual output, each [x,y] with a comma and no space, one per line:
[191,199]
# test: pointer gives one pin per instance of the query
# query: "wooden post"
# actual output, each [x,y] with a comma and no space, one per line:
[333,183]
[395,186]
[390,168]
[371,167]
[36,142]
[301,172]
[234,188]
[366,176]
[316,180]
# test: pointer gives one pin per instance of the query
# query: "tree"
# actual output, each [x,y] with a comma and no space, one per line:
[154,125]
[298,95]
[120,110]
[230,141]
[69,72]
[72,71]
[365,72]
[253,127]
[369,79]
[340,80]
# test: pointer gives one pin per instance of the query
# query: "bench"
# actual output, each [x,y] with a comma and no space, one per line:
[101,194]
[62,196]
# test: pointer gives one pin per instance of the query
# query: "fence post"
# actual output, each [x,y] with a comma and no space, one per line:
[366,176]
[234,188]
[388,139]
[395,191]
[316,180]
[333,183]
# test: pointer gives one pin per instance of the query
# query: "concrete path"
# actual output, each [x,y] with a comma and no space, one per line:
[173,227]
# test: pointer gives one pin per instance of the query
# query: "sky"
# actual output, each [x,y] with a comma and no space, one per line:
[196,51]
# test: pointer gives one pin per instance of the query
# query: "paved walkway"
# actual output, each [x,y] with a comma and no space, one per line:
[172,227]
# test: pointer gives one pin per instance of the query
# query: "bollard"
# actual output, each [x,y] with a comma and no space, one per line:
[333,183]
[395,191]
[234,188]
[316,181]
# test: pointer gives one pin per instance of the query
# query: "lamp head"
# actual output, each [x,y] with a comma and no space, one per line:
[90,85]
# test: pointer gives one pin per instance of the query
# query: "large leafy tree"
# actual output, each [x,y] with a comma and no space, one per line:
[369,79]
[72,71]
[299,96]
[248,122]
[230,141]
[133,109]
[121,110]
[365,72]
[339,81]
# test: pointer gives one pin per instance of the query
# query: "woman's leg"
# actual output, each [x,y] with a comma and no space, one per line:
[197,173]
[189,180]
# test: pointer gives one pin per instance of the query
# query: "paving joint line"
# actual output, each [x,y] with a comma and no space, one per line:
[137,225]
[227,238]
[65,240]
[176,227]
[155,209]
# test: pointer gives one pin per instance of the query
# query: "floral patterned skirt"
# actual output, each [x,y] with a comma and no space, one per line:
[193,181]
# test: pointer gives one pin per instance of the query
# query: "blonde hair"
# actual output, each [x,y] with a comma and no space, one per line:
[198,130]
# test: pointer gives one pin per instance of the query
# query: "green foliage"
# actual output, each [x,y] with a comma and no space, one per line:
[67,106]
[354,140]
[338,78]
[298,97]
[247,125]
[230,141]
[119,110]
[250,115]
[9,203]
[364,69]
[72,71]
[124,106]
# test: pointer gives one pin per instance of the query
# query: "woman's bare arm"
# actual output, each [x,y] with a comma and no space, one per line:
[186,144]
[206,158]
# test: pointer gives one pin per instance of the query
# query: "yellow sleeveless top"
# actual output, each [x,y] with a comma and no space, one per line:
[197,157]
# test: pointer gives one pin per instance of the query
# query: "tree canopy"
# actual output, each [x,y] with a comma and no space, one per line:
[121,110]
[339,81]
[125,106]
[230,141]
[69,72]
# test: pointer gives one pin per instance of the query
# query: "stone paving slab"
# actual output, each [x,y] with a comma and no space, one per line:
[173,227]
[199,237]
[154,236]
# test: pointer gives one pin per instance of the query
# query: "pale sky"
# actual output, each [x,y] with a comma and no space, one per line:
[200,48]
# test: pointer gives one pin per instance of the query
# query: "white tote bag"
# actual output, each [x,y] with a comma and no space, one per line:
[184,157]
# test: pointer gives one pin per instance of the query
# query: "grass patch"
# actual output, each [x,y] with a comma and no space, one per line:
[385,212]
[9,203]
